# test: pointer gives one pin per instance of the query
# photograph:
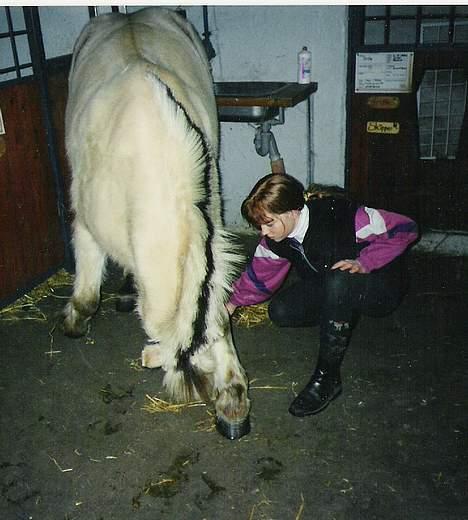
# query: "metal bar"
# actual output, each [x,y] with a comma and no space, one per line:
[356,30]
[464,98]
[13,42]
[36,45]
[434,102]
[11,69]
[309,143]
[13,33]
[449,110]
[418,24]
[451,25]
[387,25]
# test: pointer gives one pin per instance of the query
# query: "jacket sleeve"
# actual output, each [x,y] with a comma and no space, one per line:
[261,278]
[386,234]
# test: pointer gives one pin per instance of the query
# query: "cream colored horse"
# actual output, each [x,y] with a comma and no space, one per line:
[142,141]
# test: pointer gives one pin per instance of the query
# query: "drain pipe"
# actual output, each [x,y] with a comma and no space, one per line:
[265,143]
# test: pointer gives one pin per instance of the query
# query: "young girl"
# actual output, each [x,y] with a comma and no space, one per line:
[348,259]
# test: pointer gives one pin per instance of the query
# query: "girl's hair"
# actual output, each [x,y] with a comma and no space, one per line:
[275,193]
[321,191]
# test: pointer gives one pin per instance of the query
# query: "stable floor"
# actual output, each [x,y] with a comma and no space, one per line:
[76,441]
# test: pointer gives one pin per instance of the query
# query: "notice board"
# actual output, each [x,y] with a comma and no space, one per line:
[384,71]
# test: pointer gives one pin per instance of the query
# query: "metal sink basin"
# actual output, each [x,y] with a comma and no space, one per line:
[237,114]
[252,89]
[257,101]
[234,98]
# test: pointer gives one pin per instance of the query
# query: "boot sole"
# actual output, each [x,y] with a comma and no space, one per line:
[318,410]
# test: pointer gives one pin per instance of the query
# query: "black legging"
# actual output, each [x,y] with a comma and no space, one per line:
[340,296]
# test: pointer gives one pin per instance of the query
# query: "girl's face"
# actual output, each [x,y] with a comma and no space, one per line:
[278,227]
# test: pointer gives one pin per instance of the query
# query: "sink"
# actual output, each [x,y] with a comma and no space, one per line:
[233,96]
[257,101]
[255,89]
[240,114]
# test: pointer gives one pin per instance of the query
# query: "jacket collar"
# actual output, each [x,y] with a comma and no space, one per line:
[302,225]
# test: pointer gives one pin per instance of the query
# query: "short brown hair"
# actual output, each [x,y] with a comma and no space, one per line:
[275,193]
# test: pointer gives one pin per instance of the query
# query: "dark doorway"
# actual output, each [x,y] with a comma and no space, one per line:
[408,150]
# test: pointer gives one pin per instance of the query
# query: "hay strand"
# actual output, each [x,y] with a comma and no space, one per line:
[268,387]
[157,405]
[208,424]
[301,508]
[264,502]
[251,316]
[26,307]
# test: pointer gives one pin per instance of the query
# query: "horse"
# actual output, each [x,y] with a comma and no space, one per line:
[142,140]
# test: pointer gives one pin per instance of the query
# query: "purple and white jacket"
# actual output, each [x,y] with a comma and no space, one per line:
[387,235]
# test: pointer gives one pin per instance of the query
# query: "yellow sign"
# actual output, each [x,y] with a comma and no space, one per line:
[383,127]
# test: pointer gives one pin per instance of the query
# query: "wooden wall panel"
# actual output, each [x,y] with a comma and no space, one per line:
[30,238]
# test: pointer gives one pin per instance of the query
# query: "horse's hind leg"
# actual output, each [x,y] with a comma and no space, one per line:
[90,262]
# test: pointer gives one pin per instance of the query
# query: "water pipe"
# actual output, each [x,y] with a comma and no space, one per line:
[265,143]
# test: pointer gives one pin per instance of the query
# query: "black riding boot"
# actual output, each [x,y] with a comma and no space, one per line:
[325,383]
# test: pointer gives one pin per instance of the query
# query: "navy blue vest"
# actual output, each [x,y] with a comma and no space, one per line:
[330,237]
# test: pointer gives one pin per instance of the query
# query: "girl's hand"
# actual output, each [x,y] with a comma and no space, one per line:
[353,266]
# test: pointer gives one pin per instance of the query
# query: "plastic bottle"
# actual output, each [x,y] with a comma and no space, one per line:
[304,61]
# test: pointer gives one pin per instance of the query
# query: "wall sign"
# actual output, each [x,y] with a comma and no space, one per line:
[383,102]
[384,71]
[383,127]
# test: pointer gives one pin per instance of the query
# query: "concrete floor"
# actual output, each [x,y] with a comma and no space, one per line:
[76,443]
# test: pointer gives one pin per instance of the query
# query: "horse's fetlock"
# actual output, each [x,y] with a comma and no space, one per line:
[86,308]
[75,324]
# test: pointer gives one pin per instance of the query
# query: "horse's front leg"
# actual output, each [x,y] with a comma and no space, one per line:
[231,389]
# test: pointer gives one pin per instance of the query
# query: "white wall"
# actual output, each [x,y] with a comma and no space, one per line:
[60,28]
[260,43]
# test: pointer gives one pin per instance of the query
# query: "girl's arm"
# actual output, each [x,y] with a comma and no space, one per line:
[261,278]
[386,234]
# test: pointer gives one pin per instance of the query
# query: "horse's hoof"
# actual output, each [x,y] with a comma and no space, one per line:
[233,431]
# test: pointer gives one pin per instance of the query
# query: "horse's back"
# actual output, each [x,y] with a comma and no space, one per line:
[141,108]
[158,39]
